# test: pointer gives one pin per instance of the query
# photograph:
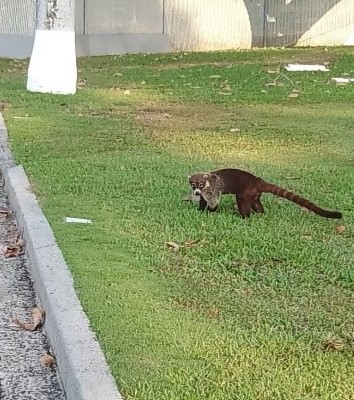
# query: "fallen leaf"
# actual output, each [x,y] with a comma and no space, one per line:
[127,92]
[16,240]
[293,95]
[214,312]
[234,130]
[246,291]
[307,237]
[173,246]
[37,316]
[47,360]
[272,71]
[214,76]
[340,229]
[5,212]
[11,251]
[191,242]
[225,94]
[291,177]
[81,82]
[333,343]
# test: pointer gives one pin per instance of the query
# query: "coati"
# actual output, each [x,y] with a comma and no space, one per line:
[210,186]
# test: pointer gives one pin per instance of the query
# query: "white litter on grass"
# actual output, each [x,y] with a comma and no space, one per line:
[78,220]
[305,67]
[342,80]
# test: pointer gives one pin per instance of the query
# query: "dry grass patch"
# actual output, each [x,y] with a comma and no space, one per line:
[184,116]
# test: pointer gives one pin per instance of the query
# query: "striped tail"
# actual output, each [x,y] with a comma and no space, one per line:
[278,191]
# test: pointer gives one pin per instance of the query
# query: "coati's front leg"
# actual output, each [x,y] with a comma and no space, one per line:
[244,206]
[257,205]
[202,204]
[205,205]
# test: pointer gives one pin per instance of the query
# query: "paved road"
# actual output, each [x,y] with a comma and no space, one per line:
[22,377]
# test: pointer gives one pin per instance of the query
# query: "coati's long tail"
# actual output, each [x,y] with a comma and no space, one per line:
[278,191]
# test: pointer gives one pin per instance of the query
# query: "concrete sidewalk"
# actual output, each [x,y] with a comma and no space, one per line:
[21,374]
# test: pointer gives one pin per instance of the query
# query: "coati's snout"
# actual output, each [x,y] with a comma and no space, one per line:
[199,182]
[197,192]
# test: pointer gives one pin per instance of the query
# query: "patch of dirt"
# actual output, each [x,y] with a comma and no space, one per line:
[186,116]
[4,106]
[110,112]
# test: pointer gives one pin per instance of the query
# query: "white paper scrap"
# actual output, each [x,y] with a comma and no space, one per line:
[78,220]
[342,80]
[305,67]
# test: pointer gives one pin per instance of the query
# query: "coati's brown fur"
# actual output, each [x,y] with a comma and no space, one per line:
[210,186]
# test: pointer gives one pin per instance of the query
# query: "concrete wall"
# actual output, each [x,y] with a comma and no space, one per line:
[308,23]
[334,28]
[102,27]
[133,26]
[17,17]
[17,24]
[208,24]
[123,16]
[120,26]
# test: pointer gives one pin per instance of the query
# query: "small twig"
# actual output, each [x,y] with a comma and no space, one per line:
[283,75]
[280,74]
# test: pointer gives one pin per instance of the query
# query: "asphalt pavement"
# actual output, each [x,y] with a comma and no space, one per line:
[22,376]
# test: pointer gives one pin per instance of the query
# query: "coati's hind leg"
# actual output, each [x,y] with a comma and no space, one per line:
[245,206]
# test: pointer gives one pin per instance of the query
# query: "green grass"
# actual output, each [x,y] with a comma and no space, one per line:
[243,314]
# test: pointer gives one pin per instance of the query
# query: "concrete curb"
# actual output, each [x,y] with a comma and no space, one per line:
[83,370]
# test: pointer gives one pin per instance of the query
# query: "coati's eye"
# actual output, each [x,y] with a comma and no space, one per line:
[193,185]
[201,185]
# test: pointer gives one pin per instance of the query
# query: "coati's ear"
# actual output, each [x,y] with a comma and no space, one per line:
[206,176]
[189,177]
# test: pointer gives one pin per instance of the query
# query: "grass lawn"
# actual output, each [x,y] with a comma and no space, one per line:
[257,309]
